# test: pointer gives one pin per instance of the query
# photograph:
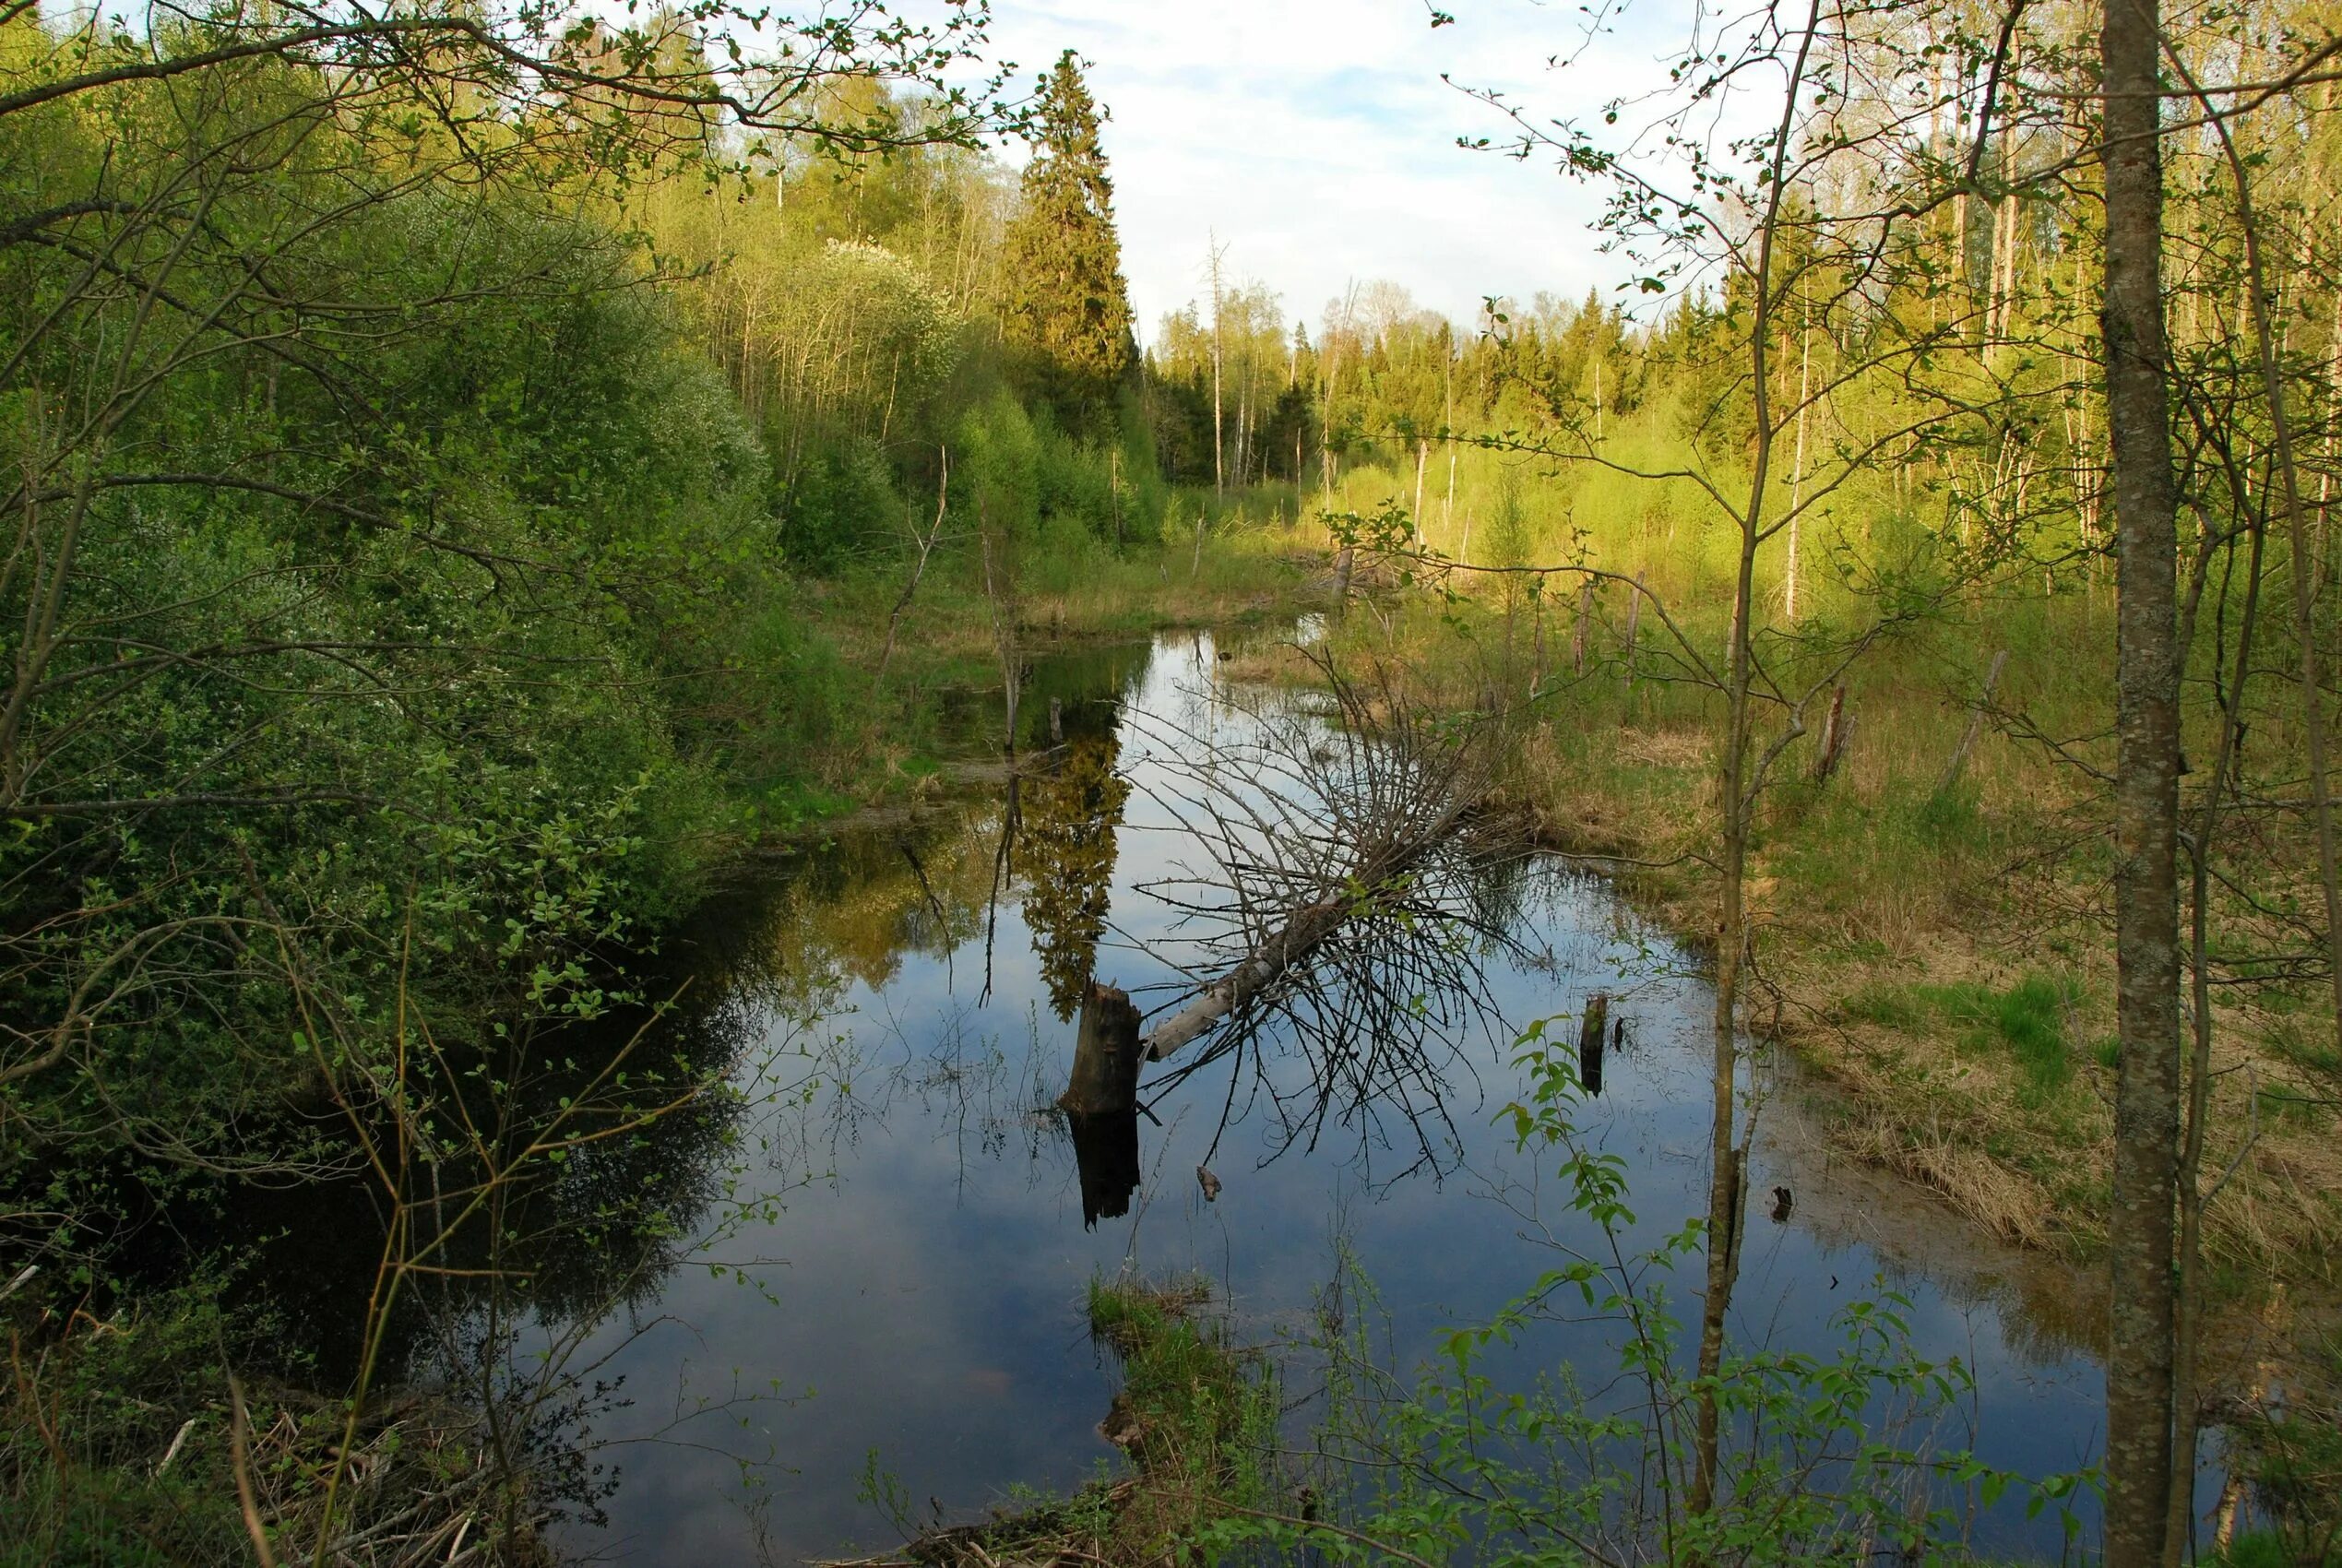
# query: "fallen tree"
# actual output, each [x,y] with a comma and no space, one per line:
[1338,902]
[1378,870]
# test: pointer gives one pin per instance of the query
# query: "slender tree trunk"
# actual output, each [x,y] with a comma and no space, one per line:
[1325,429]
[1726,1188]
[1447,508]
[1220,476]
[2189,1307]
[925,548]
[1633,620]
[2147,1109]
[2332,424]
[2303,578]
[1422,456]
[1796,466]
[1976,714]
[1447,418]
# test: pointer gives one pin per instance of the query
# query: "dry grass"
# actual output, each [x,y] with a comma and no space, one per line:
[1677,748]
[1874,885]
[2004,1203]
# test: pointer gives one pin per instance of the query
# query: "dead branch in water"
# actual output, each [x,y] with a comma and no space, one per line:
[1376,870]
[1334,899]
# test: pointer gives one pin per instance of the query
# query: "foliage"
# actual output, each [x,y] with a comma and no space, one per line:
[1066,311]
[1827,1455]
[1067,824]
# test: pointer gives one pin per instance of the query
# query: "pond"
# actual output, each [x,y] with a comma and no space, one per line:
[887,1270]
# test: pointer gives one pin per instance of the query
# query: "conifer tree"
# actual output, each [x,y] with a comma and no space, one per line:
[1068,315]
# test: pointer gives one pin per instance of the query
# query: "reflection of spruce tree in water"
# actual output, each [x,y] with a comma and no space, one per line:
[1070,815]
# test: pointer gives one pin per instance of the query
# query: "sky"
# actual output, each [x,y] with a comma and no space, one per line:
[1316,139]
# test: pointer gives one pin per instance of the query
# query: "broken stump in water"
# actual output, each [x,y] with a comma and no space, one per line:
[1589,1042]
[1106,1055]
[1101,1103]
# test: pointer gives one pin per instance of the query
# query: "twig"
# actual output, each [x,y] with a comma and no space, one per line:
[241,1464]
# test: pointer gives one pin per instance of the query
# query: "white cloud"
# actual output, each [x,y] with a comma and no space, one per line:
[1318,140]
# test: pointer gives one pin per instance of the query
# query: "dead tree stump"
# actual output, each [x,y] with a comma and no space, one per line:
[1590,1042]
[1106,1056]
[1833,727]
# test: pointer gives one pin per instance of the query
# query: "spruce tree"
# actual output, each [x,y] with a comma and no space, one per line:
[1068,317]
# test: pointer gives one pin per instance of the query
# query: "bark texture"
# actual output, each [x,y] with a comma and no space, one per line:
[2146,1112]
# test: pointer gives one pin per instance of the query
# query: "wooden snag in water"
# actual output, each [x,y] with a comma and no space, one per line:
[1833,731]
[1343,566]
[1312,924]
[1589,1042]
[1101,1103]
[1056,721]
[1953,770]
[1106,1055]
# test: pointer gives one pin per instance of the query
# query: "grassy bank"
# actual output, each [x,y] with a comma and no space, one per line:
[849,737]
[1935,940]
[1939,950]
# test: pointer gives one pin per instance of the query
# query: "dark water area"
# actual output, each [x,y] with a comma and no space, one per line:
[889,1233]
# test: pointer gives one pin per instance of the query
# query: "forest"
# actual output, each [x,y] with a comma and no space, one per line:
[622,653]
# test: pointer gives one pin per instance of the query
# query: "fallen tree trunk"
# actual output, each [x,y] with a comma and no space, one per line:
[1267,963]
[1308,926]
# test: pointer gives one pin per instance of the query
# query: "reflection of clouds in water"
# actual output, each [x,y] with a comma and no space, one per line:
[932,1293]
[1271,814]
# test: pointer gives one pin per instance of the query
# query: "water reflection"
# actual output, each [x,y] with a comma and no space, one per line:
[1106,1151]
[1072,808]
[877,1236]
[936,1265]
[1326,896]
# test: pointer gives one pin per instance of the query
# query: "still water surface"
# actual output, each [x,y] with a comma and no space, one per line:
[899,1006]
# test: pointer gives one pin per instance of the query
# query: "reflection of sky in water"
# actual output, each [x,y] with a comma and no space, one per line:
[930,1292]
